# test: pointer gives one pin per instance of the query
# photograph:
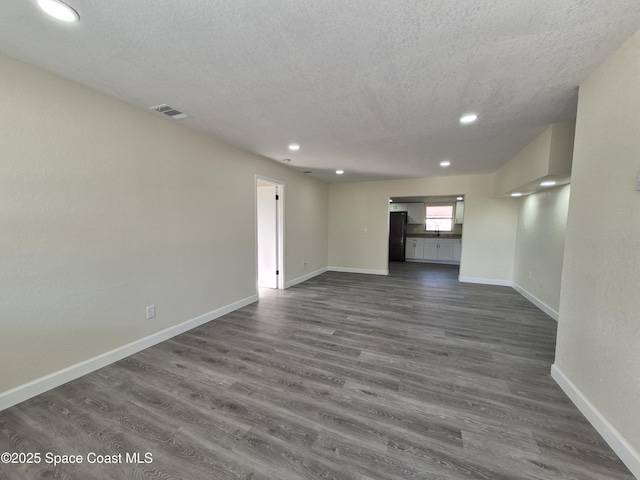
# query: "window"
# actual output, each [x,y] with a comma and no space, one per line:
[439,218]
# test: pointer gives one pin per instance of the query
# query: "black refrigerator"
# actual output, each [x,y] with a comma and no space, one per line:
[397,235]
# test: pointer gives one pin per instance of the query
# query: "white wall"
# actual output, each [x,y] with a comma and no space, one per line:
[537,267]
[489,229]
[105,209]
[598,347]
[548,156]
[561,148]
[530,163]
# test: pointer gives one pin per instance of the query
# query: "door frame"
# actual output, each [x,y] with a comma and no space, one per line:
[279,227]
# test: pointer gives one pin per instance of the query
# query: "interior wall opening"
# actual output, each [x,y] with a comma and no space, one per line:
[426,229]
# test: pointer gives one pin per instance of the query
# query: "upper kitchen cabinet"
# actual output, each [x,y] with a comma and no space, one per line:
[415,213]
[459,218]
[398,207]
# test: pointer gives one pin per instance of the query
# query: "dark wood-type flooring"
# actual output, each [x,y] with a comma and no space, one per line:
[410,376]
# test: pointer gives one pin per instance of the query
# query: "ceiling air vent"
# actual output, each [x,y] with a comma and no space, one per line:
[169,111]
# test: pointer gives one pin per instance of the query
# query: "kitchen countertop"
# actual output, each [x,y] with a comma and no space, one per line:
[433,235]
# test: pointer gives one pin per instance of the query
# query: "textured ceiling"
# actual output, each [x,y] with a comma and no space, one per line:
[374,87]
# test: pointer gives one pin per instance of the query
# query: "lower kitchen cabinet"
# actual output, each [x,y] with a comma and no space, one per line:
[433,249]
[430,249]
[457,250]
[440,249]
[445,249]
[414,248]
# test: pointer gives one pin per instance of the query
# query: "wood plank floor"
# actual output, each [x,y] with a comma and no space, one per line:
[410,376]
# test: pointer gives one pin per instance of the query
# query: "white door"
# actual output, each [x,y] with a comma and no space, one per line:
[267,236]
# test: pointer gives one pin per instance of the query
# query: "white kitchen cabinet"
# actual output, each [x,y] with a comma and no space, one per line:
[459,216]
[414,248]
[430,251]
[457,249]
[398,207]
[445,250]
[440,249]
[437,250]
[415,213]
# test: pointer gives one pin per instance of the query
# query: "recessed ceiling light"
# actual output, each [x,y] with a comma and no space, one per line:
[294,146]
[445,163]
[59,10]
[548,183]
[468,118]
[459,198]
[516,194]
[339,172]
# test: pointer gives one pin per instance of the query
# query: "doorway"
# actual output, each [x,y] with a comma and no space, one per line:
[269,233]
[429,228]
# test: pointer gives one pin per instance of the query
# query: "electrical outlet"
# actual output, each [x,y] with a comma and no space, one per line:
[151,311]
[304,263]
[530,275]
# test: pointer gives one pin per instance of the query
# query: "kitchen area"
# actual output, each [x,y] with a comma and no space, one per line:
[426,229]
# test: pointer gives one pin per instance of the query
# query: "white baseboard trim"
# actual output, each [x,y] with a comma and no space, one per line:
[304,278]
[629,456]
[486,281]
[359,270]
[537,302]
[53,380]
